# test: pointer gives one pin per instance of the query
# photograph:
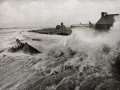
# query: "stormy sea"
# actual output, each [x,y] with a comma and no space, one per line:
[85,60]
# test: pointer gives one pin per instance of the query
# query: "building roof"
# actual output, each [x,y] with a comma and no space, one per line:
[80,25]
[107,19]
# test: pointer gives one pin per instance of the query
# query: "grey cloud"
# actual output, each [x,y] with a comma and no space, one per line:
[51,12]
[1,1]
[98,0]
[27,1]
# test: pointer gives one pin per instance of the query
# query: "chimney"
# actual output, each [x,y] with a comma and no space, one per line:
[103,14]
[61,24]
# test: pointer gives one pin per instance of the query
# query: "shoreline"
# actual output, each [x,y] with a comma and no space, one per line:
[53,31]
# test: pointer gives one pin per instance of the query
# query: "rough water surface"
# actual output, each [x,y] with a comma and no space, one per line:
[85,60]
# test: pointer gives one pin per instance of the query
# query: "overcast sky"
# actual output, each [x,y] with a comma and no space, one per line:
[49,13]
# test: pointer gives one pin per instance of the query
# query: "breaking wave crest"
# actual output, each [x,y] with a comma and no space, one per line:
[92,54]
[86,60]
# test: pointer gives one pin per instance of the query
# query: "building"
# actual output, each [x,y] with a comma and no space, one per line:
[83,25]
[79,25]
[106,21]
[62,27]
[89,25]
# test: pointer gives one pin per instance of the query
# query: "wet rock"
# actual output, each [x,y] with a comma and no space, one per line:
[109,85]
[91,83]
[106,49]
[68,84]
[1,51]
[115,63]
[29,49]
[36,39]
[25,47]
[19,45]
[55,79]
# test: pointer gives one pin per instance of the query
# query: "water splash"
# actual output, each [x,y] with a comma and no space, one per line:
[94,53]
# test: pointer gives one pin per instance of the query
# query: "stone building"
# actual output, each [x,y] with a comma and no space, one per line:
[61,27]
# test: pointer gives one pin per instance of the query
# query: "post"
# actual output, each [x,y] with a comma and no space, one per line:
[62,27]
